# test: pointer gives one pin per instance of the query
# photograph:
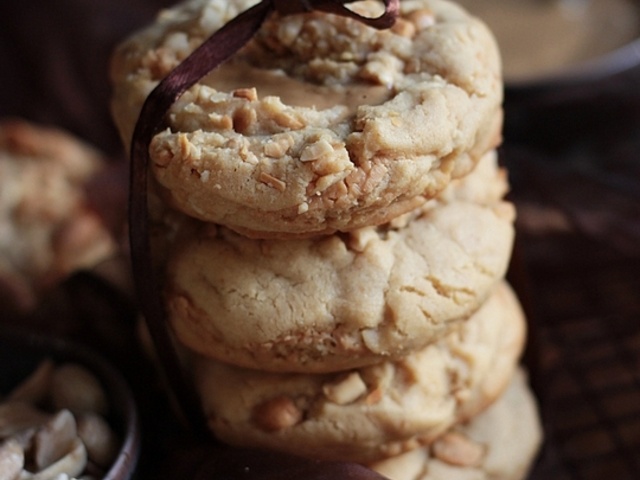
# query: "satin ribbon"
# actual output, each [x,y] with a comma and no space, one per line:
[218,48]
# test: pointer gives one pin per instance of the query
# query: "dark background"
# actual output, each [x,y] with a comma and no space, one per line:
[54,61]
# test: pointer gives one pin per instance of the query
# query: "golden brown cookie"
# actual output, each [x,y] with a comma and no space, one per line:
[321,123]
[501,443]
[367,413]
[344,300]
[46,227]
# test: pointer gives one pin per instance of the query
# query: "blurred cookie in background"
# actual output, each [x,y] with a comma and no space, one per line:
[47,227]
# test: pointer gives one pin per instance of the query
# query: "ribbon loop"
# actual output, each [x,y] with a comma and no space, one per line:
[337,7]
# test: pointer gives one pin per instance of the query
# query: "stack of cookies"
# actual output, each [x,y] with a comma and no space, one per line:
[331,226]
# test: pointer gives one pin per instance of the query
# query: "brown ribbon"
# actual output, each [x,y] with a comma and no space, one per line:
[337,7]
[218,48]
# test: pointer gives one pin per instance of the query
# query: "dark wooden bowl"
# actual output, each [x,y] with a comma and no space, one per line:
[22,351]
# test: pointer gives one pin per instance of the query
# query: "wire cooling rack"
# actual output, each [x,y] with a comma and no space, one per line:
[589,377]
[579,236]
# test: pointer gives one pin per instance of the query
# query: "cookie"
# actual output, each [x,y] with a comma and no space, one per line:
[380,410]
[344,300]
[499,444]
[320,124]
[46,227]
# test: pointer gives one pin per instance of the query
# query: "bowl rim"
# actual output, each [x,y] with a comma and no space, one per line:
[614,62]
[63,349]
[617,61]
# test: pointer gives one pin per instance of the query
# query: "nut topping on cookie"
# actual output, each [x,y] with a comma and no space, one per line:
[456,449]
[379,121]
[277,414]
[345,390]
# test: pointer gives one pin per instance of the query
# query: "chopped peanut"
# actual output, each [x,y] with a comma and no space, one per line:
[346,390]
[250,94]
[243,119]
[273,181]
[278,147]
[404,28]
[276,414]
[422,18]
[316,150]
[456,449]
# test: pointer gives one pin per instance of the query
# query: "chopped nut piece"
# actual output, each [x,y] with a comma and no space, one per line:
[72,464]
[278,147]
[273,181]
[99,439]
[37,445]
[250,94]
[303,208]
[277,413]
[316,150]
[456,449]
[221,122]
[371,339]
[326,181]
[54,439]
[274,108]
[187,149]
[396,121]
[422,18]
[11,459]
[358,239]
[346,390]
[404,28]
[243,119]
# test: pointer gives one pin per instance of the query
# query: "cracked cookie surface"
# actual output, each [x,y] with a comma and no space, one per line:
[376,411]
[320,124]
[343,300]
[501,443]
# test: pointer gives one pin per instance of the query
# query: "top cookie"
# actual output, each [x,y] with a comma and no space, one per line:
[320,123]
